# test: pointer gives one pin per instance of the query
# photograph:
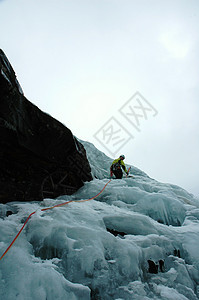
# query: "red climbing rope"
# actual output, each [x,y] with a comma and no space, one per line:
[44,209]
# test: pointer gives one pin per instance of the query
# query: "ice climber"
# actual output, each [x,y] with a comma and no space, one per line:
[116,166]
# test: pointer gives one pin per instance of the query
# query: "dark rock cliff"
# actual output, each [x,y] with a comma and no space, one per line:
[39,156]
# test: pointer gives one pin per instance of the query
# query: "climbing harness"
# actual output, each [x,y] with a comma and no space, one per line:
[48,208]
[116,166]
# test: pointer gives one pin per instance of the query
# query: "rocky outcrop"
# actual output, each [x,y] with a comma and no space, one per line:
[39,156]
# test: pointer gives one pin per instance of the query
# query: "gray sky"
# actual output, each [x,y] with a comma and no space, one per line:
[81,61]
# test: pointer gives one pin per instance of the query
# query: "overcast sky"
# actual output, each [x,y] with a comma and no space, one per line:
[83,61]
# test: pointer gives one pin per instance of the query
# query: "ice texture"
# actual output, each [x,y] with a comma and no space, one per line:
[137,240]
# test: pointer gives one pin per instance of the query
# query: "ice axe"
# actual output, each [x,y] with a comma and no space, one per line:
[127,175]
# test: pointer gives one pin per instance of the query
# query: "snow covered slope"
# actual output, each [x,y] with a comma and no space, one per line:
[138,240]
